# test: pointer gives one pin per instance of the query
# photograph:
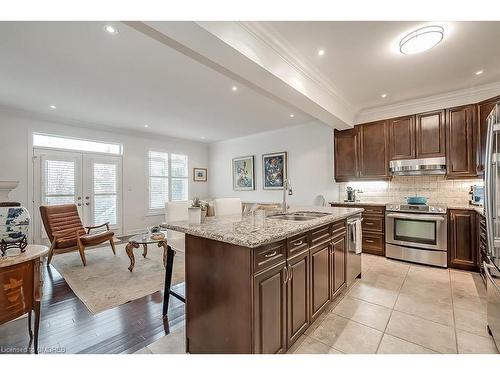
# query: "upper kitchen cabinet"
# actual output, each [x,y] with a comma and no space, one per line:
[346,154]
[483,110]
[430,134]
[460,146]
[402,138]
[373,151]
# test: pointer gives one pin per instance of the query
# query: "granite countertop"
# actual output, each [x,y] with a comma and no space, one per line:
[16,257]
[359,203]
[241,230]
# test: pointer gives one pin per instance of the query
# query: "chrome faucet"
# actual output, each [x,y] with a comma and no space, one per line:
[287,189]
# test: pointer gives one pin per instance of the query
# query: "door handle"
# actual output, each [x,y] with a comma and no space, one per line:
[285,279]
[369,241]
[291,274]
[268,255]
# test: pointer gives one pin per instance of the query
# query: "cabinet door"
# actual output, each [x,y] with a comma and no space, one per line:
[402,138]
[346,154]
[270,311]
[460,150]
[483,110]
[373,150]
[320,279]
[430,131]
[462,252]
[339,254]
[297,297]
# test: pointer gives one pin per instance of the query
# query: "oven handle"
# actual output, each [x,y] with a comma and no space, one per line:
[417,217]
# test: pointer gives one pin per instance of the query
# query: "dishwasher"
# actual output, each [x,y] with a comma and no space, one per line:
[354,244]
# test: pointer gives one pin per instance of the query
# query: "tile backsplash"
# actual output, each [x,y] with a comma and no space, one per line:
[437,188]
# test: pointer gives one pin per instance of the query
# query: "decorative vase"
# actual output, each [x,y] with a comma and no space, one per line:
[194,215]
[14,220]
[203,215]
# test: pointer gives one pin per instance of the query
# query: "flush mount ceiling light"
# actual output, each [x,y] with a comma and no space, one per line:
[234,88]
[292,115]
[321,52]
[421,40]
[146,126]
[479,72]
[52,106]
[383,96]
[110,29]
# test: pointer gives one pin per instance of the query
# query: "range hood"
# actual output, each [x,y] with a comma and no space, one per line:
[417,167]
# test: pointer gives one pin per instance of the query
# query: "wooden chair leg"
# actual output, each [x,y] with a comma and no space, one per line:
[112,243]
[30,329]
[51,253]
[81,249]
[37,325]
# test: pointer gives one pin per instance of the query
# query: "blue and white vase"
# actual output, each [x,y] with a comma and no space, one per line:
[14,220]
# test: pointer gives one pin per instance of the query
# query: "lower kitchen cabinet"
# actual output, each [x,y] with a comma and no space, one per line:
[297,297]
[270,308]
[321,277]
[462,249]
[338,262]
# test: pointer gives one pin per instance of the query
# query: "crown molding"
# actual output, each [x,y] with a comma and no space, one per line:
[430,103]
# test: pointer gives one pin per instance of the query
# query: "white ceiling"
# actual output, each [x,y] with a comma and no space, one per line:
[362,60]
[127,80]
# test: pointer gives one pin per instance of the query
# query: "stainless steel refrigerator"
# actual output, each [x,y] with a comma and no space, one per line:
[492,212]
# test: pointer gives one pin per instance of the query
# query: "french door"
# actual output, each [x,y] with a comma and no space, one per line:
[91,181]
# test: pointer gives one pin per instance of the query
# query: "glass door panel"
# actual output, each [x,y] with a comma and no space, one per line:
[417,231]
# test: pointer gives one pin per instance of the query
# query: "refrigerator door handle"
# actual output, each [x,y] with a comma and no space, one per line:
[488,208]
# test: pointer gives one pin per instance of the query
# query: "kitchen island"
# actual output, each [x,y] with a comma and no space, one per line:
[254,284]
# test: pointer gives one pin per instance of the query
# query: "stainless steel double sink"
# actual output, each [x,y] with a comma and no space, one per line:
[298,216]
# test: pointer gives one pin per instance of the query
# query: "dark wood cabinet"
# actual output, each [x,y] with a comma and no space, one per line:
[460,145]
[320,279]
[462,249]
[373,150]
[483,109]
[338,262]
[430,134]
[346,154]
[297,297]
[270,310]
[402,138]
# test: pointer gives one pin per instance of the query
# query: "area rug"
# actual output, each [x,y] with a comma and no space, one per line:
[106,282]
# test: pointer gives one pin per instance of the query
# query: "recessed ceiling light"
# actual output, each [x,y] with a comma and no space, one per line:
[479,72]
[383,96]
[146,126]
[52,106]
[421,40]
[110,29]
[292,115]
[202,137]
[234,88]
[321,52]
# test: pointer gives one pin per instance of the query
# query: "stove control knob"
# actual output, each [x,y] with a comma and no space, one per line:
[440,209]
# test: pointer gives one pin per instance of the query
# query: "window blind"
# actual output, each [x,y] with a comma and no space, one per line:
[158,179]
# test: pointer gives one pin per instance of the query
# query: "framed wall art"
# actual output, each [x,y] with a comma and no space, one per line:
[274,170]
[200,174]
[243,173]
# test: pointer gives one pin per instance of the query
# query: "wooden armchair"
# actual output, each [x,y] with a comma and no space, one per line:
[66,232]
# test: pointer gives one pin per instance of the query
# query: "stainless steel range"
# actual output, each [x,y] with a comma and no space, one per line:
[417,233]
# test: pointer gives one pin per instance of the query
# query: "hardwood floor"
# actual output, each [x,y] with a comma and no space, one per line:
[68,327]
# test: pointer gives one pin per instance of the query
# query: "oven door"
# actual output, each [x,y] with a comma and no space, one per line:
[417,230]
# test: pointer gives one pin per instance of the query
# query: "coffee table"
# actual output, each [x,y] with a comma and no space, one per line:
[145,239]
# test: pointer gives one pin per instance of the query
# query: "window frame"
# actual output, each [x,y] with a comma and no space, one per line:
[169,177]
[34,134]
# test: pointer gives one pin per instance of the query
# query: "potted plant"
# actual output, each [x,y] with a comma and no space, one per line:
[202,205]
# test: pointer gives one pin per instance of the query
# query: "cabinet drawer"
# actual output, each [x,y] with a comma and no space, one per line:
[269,255]
[296,244]
[374,243]
[373,223]
[373,210]
[338,228]
[321,235]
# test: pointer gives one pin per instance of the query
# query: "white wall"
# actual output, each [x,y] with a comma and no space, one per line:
[16,151]
[310,164]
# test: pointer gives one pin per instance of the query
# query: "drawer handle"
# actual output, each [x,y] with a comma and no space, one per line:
[269,255]
[297,243]
[368,223]
[369,241]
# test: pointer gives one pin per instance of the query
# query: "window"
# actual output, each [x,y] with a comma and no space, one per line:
[53,141]
[168,179]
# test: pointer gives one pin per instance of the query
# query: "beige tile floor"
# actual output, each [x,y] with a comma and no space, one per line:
[396,308]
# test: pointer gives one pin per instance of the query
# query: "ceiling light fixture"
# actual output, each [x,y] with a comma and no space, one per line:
[234,88]
[479,72]
[146,126]
[321,52]
[383,96]
[292,115]
[110,29]
[202,137]
[421,40]
[52,106]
